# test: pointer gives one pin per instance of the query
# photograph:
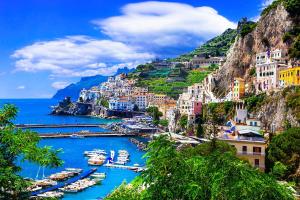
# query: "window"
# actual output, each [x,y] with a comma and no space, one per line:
[256,162]
[256,150]
[244,150]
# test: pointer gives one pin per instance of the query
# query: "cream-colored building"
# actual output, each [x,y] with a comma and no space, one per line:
[250,146]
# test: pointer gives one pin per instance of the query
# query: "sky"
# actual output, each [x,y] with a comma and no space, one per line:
[47,44]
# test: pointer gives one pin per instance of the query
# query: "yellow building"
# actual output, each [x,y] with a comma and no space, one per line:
[289,76]
[250,146]
[238,88]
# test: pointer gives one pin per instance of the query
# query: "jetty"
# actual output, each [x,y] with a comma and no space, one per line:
[68,182]
[134,168]
[57,125]
[90,134]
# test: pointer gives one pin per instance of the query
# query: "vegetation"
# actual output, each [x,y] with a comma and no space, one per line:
[247,28]
[104,103]
[163,122]
[292,97]
[200,129]
[284,152]
[272,6]
[220,111]
[292,6]
[254,101]
[183,121]
[154,113]
[205,172]
[196,76]
[16,144]
[217,46]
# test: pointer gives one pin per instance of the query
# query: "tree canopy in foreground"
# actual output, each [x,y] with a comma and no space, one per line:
[19,145]
[208,171]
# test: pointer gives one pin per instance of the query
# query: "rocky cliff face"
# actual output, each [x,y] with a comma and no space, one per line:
[275,110]
[241,56]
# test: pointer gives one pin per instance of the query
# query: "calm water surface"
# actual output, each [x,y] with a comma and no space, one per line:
[37,111]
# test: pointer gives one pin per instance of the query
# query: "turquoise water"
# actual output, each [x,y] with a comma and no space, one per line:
[36,111]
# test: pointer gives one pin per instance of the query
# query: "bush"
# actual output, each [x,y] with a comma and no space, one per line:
[163,122]
[247,28]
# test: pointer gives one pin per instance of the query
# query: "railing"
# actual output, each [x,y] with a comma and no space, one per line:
[249,153]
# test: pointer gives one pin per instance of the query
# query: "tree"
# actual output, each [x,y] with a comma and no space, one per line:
[163,122]
[104,103]
[204,173]
[284,148]
[183,121]
[14,144]
[200,130]
[154,113]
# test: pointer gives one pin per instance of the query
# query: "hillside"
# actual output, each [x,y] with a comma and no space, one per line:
[74,89]
[268,32]
[217,46]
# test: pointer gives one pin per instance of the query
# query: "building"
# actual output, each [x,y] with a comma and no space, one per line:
[202,61]
[289,76]
[250,146]
[241,113]
[172,117]
[238,89]
[121,103]
[141,101]
[268,65]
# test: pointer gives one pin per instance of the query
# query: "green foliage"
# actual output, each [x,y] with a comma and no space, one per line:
[220,112]
[154,113]
[279,170]
[200,129]
[125,191]
[217,46]
[163,122]
[204,173]
[292,97]
[272,6]
[145,67]
[183,121]
[252,72]
[16,143]
[196,76]
[254,101]
[104,103]
[284,148]
[292,6]
[213,67]
[247,28]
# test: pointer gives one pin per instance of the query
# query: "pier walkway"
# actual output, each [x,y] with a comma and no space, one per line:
[68,182]
[89,134]
[57,125]
[125,167]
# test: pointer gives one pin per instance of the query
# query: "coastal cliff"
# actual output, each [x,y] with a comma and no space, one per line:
[268,32]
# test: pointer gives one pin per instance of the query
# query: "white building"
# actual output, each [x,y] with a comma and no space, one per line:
[141,101]
[268,65]
[123,104]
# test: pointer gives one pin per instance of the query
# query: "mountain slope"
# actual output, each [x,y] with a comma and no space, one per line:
[73,89]
[268,32]
[217,46]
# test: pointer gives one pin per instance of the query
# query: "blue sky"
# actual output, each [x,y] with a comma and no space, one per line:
[47,44]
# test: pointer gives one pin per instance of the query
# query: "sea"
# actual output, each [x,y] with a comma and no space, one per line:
[36,111]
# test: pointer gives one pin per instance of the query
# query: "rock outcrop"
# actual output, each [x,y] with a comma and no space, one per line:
[241,56]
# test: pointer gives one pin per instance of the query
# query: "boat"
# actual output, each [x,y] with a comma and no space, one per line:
[51,194]
[98,175]
[76,136]
[84,131]
[79,185]
[96,160]
[75,170]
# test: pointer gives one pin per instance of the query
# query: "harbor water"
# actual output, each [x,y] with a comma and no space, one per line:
[36,111]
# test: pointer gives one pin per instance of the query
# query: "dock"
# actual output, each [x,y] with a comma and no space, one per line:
[125,167]
[58,125]
[89,134]
[68,182]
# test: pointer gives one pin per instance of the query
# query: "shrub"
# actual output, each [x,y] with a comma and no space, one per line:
[247,28]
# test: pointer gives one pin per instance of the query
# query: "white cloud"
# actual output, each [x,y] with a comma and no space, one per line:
[21,87]
[59,84]
[76,56]
[163,24]
[142,32]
